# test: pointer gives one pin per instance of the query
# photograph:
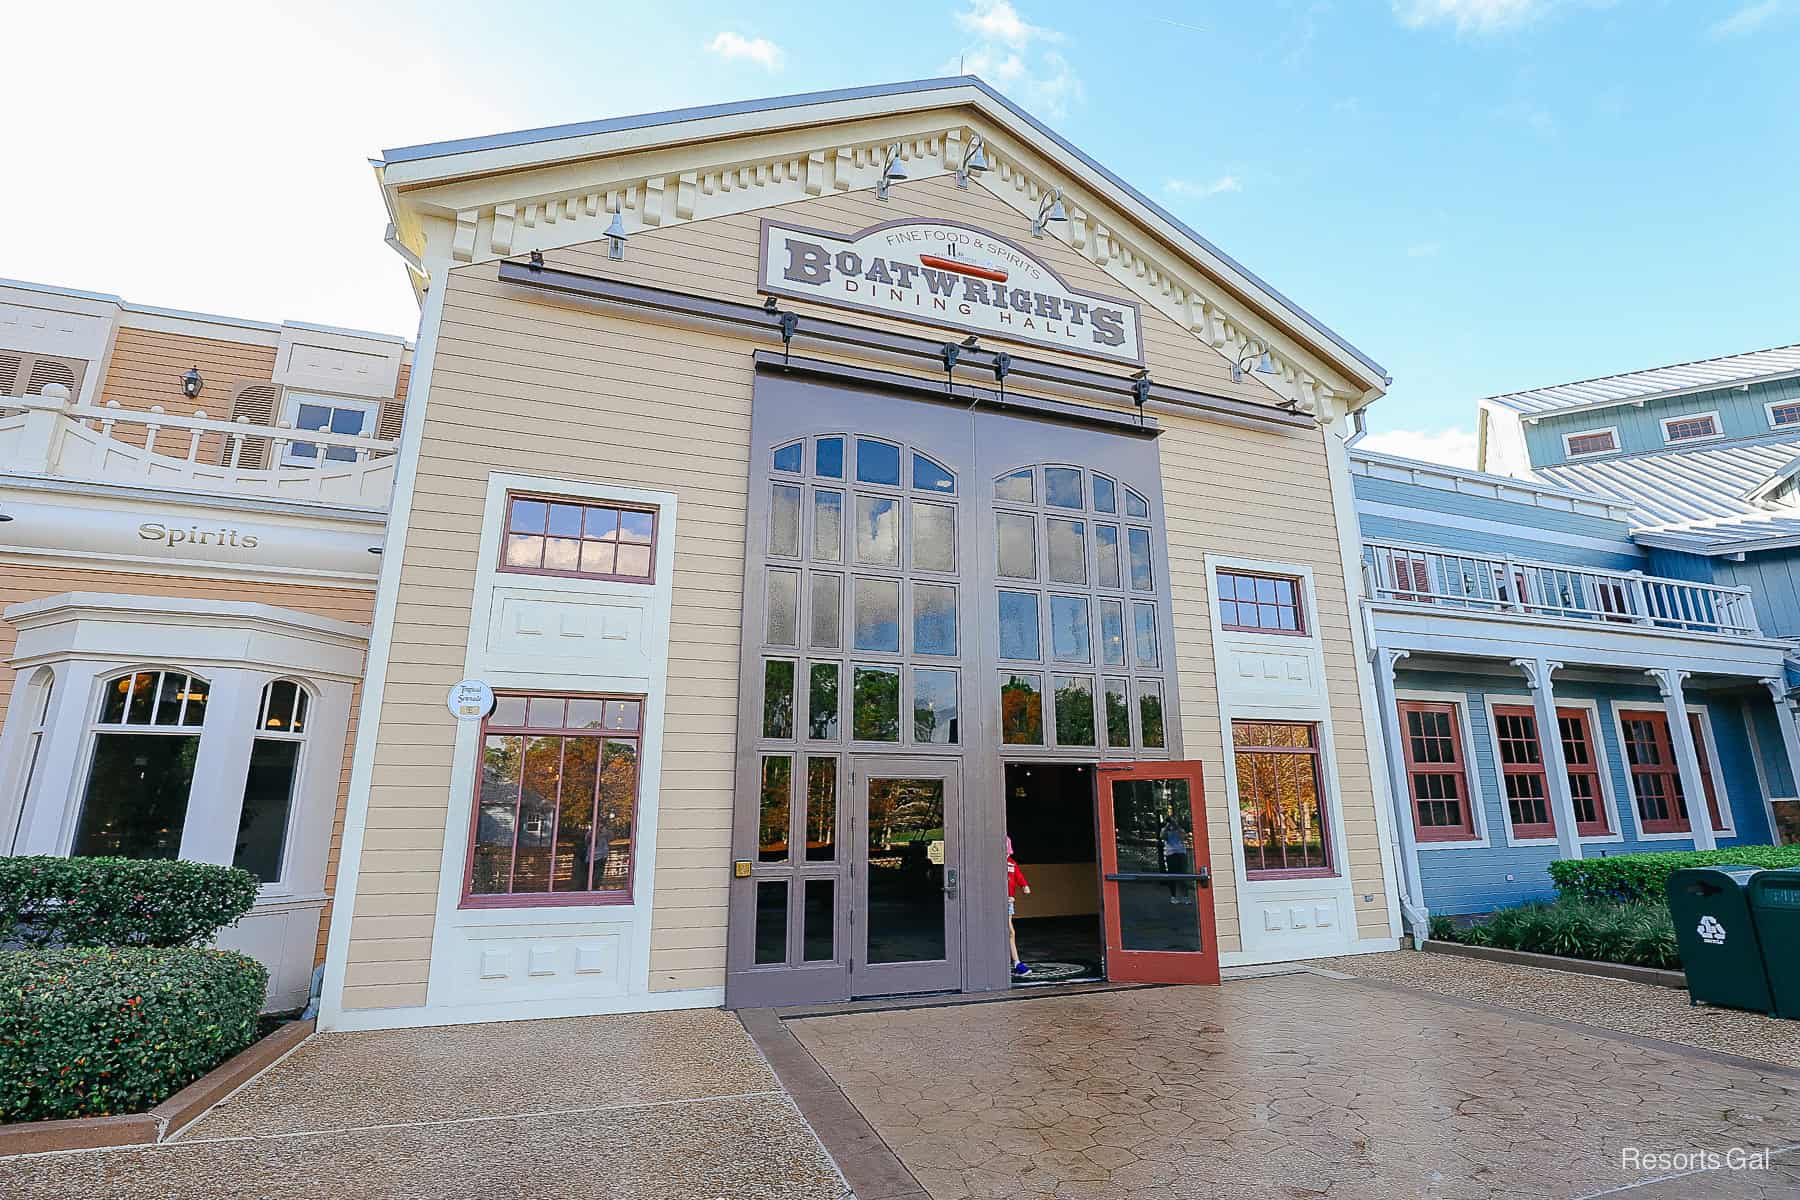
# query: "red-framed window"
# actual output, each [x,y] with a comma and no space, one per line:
[1437,774]
[1682,429]
[1522,772]
[1281,802]
[581,539]
[1655,775]
[1591,443]
[556,802]
[1784,414]
[1412,576]
[1255,603]
[1580,756]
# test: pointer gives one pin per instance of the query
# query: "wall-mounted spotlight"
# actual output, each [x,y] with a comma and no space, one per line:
[974,162]
[890,171]
[615,236]
[1002,368]
[951,353]
[536,260]
[1049,211]
[1265,364]
[192,382]
[788,323]
[1140,392]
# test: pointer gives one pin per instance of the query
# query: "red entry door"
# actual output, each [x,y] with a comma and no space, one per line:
[1156,874]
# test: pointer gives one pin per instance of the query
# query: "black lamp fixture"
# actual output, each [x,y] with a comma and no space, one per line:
[974,162]
[788,321]
[1002,368]
[1140,392]
[890,171]
[951,353]
[192,382]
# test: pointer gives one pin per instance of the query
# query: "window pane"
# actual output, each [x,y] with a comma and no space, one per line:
[573,868]
[828,457]
[502,763]
[791,458]
[565,521]
[877,614]
[1138,541]
[1062,487]
[1019,625]
[1280,812]
[821,808]
[1112,633]
[312,417]
[1136,505]
[1017,544]
[1144,633]
[537,814]
[877,462]
[878,531]
[1106,552]
[930,477]
[143,698]
[298,724]
[528,516]
[933,537]
[524,550]
[771,921]
[934,619]
[778,699]
[112,706]
[586,714]
[620,714]
[544,712]
[783,619]
[508,711]
[827,611]
[1068,549]
[784,521]
[773,820]
[1021,710]
[1016,487]
[598,558]
[1106,496]
[137,796]
[822,702]
[828,525]
[935,709]
[268,798]
[1074,710]
[1069,629]
[876,701]
[618,807]
[1150,714]
[819,941]
[346,420]
[169,697]
[1118,714]
[562,553]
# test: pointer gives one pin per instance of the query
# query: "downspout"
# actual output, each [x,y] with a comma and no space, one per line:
[1360,423]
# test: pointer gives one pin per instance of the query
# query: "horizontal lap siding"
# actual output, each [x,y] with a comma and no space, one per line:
[146,370]
[553,387]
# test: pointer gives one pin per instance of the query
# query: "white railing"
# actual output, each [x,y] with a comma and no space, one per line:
[1434,577]
[49,435]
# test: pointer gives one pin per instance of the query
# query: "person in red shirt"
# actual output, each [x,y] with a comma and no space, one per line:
[1015,883]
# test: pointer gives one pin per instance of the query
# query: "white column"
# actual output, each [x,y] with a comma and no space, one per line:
[1412,888]
[216,800]
[1785,718]
[1556,767]
[1687,759]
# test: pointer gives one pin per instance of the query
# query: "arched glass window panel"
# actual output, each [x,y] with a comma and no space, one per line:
[791,458]
[1136,505]
[146,741]
[928,476]
[877,462]
[35,698]
[270,785]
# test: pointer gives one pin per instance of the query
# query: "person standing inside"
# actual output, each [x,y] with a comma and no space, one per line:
[1175,859]
[1015,883]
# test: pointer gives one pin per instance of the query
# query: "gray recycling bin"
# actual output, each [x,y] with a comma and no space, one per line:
[1719,947]
[1775,906]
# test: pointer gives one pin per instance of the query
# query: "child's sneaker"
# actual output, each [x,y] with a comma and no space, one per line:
[1021,970]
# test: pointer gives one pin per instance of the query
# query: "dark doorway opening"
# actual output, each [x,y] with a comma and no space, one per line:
[1050,820]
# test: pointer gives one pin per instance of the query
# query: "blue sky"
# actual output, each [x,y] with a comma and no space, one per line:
[1482,194]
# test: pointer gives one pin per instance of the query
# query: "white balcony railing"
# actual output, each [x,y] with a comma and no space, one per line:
[49,435]
[1444,579]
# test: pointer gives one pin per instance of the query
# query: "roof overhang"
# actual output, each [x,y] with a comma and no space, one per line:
[1532,417]
[426,180]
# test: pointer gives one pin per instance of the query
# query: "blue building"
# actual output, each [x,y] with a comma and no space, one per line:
[1620,575]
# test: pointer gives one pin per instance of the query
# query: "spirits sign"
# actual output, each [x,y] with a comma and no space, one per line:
[943,273]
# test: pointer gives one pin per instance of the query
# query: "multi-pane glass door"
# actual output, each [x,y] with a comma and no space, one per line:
[906,906]
[1156,871]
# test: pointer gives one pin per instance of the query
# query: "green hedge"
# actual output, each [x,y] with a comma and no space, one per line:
[1640,934]
[47,901]
[94,1031]
[1645,877]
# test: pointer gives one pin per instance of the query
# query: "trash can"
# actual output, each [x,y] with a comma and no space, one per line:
[1775,907]
[1719,947]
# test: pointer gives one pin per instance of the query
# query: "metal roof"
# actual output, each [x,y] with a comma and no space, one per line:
[801,99]
[1680,485]
[1637,386]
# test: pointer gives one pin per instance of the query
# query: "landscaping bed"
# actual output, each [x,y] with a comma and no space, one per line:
[1637,934]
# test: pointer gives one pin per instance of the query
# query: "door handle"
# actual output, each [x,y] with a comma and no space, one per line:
[950,882]
[1205,880]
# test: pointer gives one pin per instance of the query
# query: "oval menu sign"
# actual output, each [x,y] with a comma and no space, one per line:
[948,274]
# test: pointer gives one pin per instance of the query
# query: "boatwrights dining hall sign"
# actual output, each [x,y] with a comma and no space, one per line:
[944,273]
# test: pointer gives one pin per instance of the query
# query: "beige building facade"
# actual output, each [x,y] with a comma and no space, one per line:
[820,500]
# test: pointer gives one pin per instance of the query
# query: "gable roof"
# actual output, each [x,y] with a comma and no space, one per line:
[1636,387]
[412,166]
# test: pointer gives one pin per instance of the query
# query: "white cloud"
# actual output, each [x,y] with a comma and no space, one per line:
[733,46]
[1200,190]
[1470,16]
[1747,19]
[996,20]
[1014,55]
[1452,447]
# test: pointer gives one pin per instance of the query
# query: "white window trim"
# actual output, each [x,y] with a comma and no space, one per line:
[290,412]
[1609,807]
[1717,433]
[1478,799]
[1619,709]
[1769,407]
[93,729]
[1571,455]
[296,786]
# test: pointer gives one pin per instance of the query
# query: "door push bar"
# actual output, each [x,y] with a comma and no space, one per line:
[1203,877]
